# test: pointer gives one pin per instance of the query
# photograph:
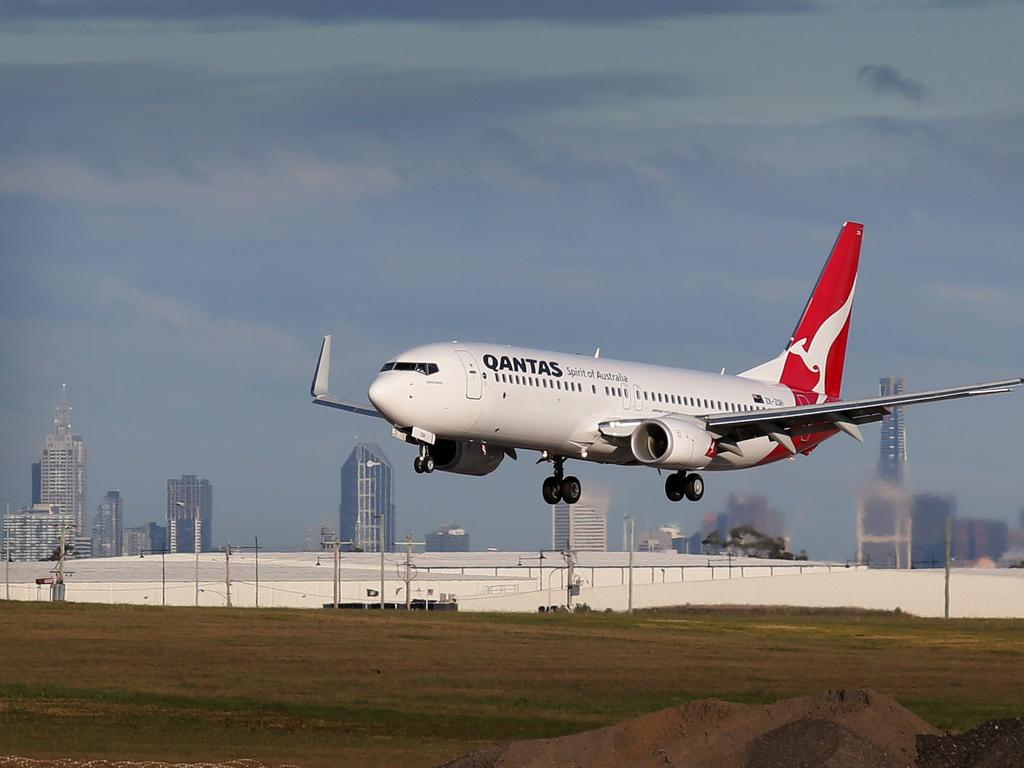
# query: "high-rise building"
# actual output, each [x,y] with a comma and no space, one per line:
[145,537]
[892,456]
[37,482]
[582,526]
[974,539]
[34,533]
[62,468]
[107,527]
[189,514]
[448,538]
[884,526]
[367,500]
[928,515]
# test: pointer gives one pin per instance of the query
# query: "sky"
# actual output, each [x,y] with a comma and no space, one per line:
[193,193]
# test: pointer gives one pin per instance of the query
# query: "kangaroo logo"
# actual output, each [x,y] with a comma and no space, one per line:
[814,355]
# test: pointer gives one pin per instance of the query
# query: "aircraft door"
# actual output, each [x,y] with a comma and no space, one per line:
[474,386]
[638,398]
[626,404]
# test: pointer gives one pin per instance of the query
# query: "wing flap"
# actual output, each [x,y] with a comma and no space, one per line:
[842,415]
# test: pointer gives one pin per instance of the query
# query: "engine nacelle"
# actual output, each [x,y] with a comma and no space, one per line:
[672,443]
[465,458]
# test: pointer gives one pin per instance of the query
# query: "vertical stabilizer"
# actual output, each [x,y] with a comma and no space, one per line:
[816,353]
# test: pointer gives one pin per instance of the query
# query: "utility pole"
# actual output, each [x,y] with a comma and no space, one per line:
[629,544]
[57,587]
[409,544]
[227,573]
[256,543]
[570,563]
[7,555]
[335,545]
[949,546]
[380,530]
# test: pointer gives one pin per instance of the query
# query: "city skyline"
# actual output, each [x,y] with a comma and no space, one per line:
[183,217]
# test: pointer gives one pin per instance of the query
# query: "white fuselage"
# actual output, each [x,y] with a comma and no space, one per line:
[515,397]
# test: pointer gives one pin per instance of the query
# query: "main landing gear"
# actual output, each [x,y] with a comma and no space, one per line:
[560,488]
[679,485]
[424,462]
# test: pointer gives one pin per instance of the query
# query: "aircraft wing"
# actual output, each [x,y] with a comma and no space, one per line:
[781,424]
[319,388]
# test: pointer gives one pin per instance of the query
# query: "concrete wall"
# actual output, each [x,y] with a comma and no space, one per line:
[974,593]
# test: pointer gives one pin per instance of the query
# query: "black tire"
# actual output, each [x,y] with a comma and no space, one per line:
[428,464]
[417,464]
[674,488]
[694,487]
[551,490]
[572,489]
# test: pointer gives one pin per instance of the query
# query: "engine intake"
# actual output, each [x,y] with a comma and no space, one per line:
[672,443]
[465,458]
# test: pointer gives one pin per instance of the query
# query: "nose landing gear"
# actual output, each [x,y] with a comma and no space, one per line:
[424,463]
[560,488]
[679,485]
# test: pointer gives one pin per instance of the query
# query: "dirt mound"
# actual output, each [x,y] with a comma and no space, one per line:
[836,729]
[995,744]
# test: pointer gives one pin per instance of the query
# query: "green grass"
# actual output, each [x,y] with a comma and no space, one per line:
[364,688]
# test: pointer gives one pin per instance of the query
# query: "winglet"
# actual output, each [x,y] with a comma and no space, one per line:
[322,375]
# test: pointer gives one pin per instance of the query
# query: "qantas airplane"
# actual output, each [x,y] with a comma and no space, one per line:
[468,405]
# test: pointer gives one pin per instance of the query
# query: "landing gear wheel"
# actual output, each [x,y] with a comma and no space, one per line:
[428,464]
[417,464]
[572,489]
[551,490]
[675,486]
[694,487]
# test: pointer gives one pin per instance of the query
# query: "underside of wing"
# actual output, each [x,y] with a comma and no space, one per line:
[781,424]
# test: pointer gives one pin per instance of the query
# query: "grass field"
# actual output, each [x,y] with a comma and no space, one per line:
[319,688]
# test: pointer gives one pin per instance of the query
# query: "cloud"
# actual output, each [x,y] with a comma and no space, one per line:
[327,12]
[285,179]
[881,78]
[222,342]
[141,113]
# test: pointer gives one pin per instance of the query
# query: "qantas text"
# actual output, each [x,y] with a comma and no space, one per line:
[523,365]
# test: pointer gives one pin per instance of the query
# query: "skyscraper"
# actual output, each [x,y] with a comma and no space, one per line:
[367,500]
[447,538]
[892,456]
[143,537]
[62,468]
[37,482]
[35,532]
[189,499]
[108,527]
[582,526]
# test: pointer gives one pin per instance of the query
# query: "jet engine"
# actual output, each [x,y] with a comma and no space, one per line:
[464,458]
[672,443]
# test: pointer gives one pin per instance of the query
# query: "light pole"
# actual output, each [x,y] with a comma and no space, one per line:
[196,544]
[370,464]
[629,543]
[163,570]
[7,555]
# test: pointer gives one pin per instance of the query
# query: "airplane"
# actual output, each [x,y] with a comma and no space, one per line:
[469,405]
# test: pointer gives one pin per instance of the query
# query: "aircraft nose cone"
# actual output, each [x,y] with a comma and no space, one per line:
[385,394]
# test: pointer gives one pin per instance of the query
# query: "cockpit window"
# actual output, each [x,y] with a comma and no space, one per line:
[425,368]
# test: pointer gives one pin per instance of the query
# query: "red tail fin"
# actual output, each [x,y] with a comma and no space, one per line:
[814,358]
